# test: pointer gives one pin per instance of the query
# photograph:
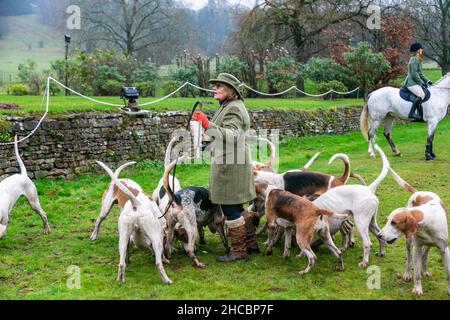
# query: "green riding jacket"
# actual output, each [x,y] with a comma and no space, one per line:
[415,75]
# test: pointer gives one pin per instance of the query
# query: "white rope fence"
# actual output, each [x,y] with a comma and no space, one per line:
[301,91]
[47,95]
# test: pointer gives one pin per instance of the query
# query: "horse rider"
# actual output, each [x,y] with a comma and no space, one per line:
[416,80]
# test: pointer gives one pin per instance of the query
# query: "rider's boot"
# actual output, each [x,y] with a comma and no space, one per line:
[412,114]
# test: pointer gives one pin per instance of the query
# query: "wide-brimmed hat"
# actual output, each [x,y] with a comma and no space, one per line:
[230,80]
[415,46]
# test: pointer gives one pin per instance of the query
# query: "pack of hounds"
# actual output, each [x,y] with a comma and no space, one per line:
[310,207]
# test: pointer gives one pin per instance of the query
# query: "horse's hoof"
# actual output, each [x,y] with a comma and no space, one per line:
[398,154]
[372,155]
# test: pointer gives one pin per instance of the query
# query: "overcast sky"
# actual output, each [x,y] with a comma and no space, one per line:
[198,4]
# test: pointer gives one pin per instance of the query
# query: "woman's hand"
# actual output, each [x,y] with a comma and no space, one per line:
[201,117]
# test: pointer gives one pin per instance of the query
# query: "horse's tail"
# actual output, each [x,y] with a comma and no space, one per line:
[364,121]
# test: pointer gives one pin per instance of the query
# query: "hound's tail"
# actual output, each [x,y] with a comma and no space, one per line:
[169,150]
[346,215]
[23,170]
[122,167]
[323,212]
[346,161]
[134,201]
[364,121]
[359,178]
[2,230]
[310,162]
[166,182]
[384,171]
[402,183]
[269,164]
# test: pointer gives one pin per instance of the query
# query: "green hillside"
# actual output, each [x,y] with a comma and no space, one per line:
[23,31]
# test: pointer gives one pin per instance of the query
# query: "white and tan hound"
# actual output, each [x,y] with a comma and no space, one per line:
[362,202]
[139,224]
[12,188]
[191,209]
[113,195]
[298,214]
[306,184]
[424,223]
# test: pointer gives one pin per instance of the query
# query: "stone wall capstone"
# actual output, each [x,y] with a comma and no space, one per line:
[67,145]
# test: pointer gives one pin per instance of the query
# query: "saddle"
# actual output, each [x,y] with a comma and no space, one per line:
[407,95]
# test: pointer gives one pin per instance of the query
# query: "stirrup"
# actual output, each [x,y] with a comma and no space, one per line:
[414,117]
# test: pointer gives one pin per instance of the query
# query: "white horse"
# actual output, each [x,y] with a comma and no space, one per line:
[385,104]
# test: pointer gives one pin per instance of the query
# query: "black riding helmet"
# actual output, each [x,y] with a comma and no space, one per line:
[415,47]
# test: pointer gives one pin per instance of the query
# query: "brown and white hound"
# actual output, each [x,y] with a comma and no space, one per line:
[424,223]
[298,214]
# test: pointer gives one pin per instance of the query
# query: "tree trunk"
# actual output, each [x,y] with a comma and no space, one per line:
[301,85]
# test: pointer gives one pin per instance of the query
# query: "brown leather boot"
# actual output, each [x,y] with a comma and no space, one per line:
[250,230]
[236,229]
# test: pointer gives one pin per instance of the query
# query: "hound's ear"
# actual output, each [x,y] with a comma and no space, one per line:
[417,215]
[412,220]
[261,187]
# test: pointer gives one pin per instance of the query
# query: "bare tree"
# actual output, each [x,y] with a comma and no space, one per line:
[251,41]
[131,25]
[304,20]
[432,20]
[53,13]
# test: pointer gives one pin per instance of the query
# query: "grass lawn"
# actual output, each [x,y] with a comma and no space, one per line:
[61,104]
[34,266]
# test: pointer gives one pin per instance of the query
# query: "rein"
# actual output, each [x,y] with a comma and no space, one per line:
[176,161]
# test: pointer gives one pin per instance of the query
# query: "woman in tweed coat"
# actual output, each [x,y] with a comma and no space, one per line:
[231,175]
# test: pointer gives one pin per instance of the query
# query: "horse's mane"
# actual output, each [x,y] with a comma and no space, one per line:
[442,78]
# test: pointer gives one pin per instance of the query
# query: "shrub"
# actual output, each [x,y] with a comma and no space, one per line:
[55,89]
[183,75]
[146,88]
[364,68]
[282,74]
[59,67]
[170,86]
[111,88]
[322,70]
[335,85]
[18,90]
[232,65]
[147,72]
[5,128]
[107,80]
[29,76]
